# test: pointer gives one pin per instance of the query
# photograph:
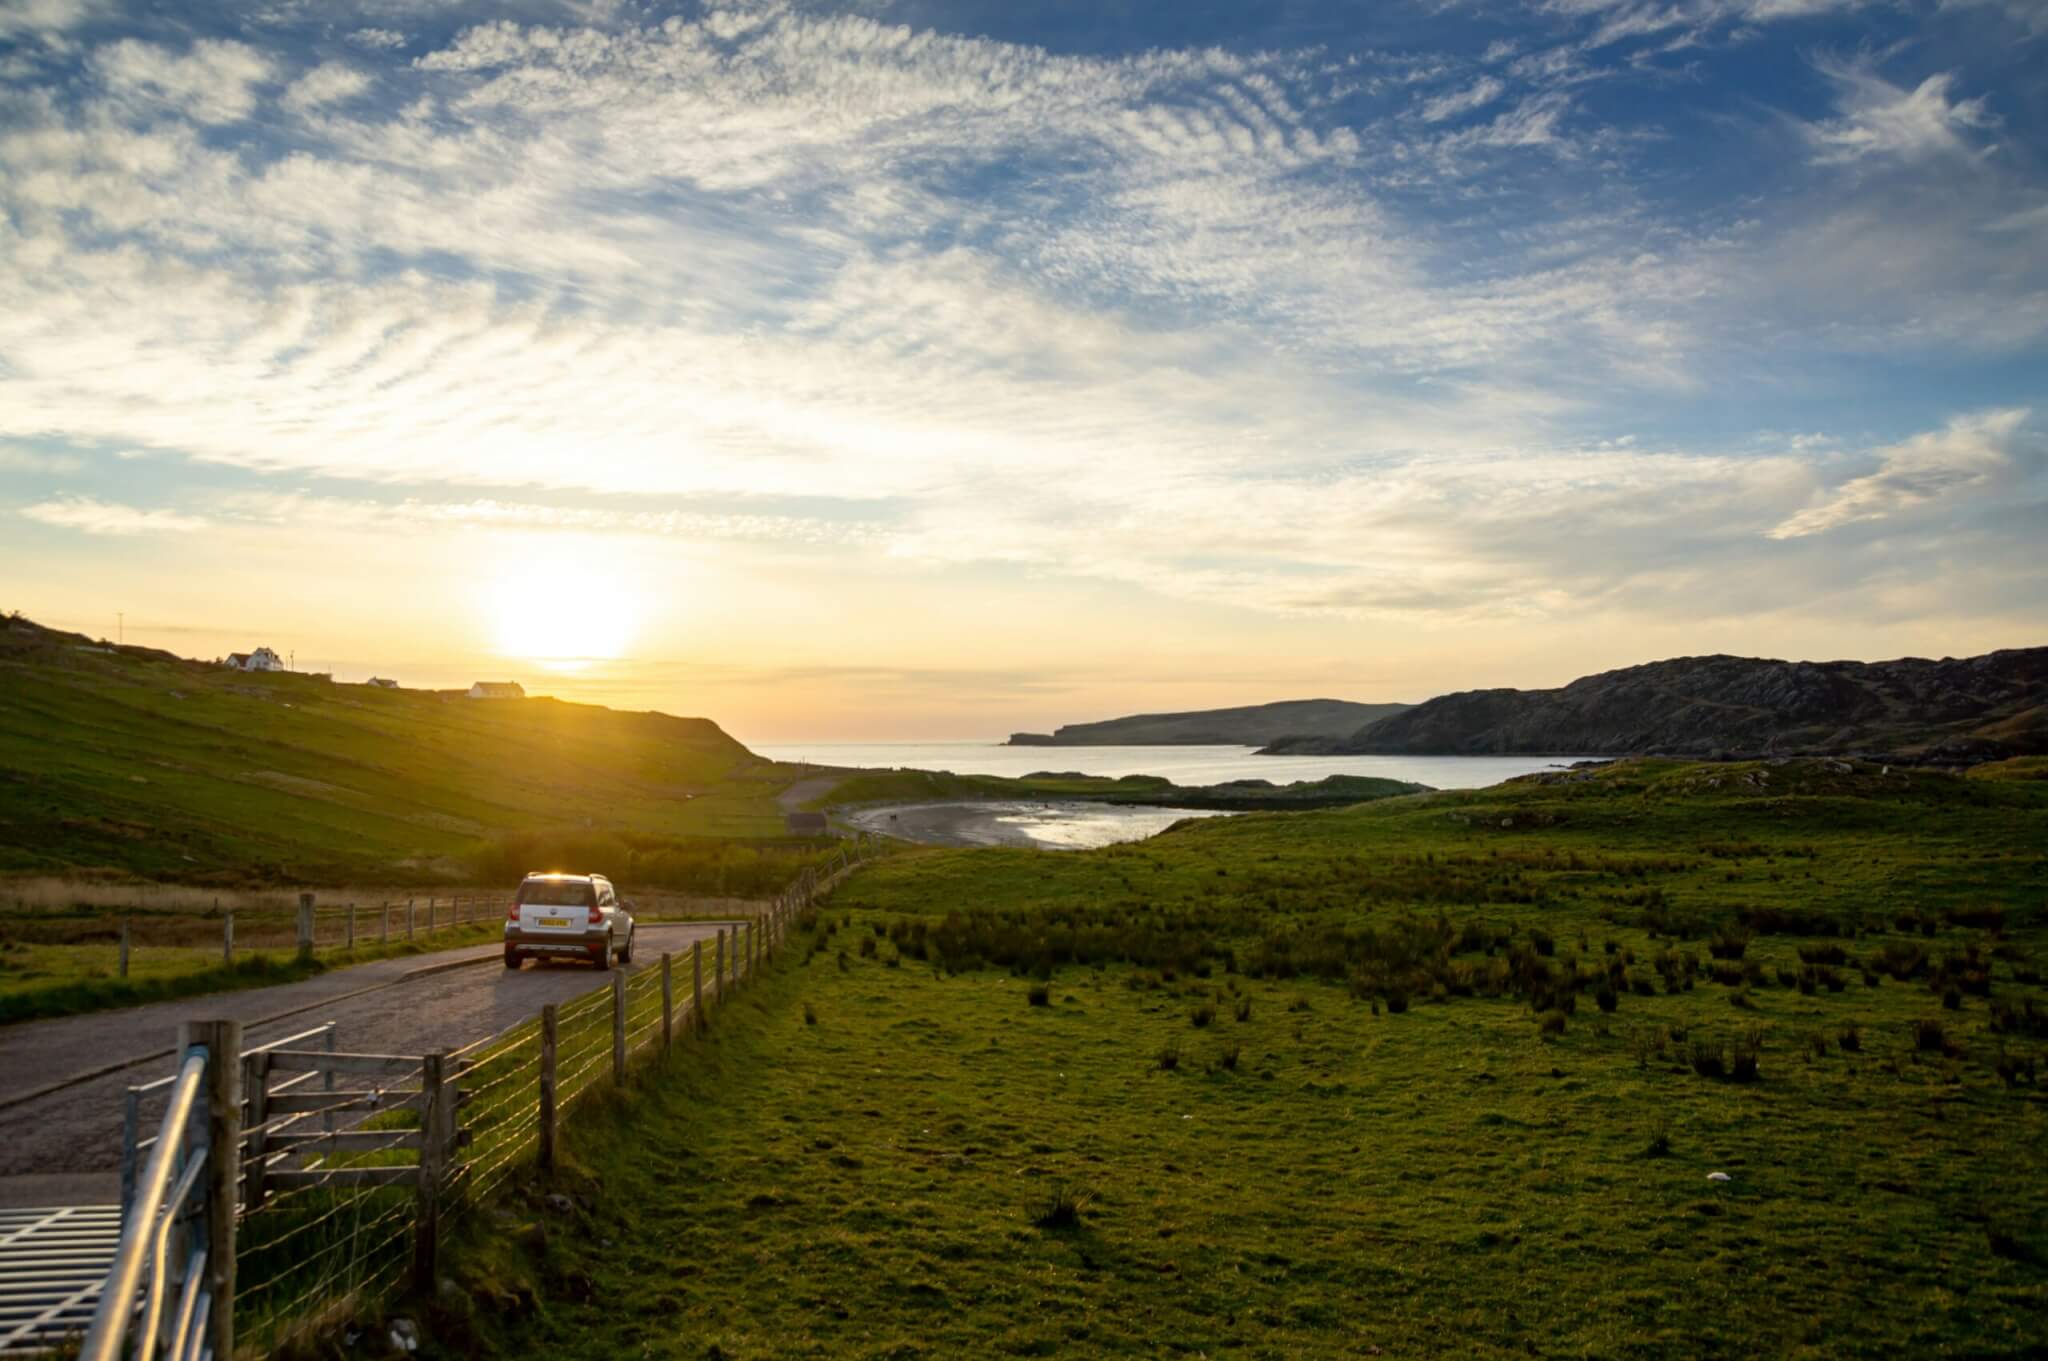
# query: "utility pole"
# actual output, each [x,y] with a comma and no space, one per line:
[120,628]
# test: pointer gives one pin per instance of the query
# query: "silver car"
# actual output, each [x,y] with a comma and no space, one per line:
[568,916]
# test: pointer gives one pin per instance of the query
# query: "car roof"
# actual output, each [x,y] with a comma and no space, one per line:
[538,874]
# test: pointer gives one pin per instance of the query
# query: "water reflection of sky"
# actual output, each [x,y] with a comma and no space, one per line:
[1071,827]
[1034,823]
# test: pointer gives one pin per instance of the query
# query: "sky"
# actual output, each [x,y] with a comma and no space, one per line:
[915,370]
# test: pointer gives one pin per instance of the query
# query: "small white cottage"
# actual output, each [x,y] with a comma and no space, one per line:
[383,682]
[497,690]
[262,659]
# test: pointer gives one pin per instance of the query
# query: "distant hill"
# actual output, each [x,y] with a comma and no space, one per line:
[1975,708]
[134,760]
[1253,725]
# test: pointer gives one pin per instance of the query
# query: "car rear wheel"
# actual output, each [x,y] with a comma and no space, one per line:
[626,950]
[603,958]
[512,960]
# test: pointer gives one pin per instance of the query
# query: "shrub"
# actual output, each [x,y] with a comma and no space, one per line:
[1728,944]
[1542,940]
[1168,1058]
[1932,1036]
[1039,995]
[1952,999]
[1202,1015]
[1817,1041]
[810,1014]
[1061,1210]
[1607,998]
[867,947]
[1660,1141]
[1901,959]
[1228,1059]
[844,962]
[1397,1001]
[1850,1038]
[1823,954]
[1244,1008]
[1707,1060]
[1741,999]
[1551,1023]
[1642,984]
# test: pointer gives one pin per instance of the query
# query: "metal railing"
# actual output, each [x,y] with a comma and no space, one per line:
[164,1209]
[134,1143]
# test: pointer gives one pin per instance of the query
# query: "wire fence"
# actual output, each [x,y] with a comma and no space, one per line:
[338,1234]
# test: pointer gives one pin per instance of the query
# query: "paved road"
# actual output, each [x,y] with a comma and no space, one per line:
[65,1148]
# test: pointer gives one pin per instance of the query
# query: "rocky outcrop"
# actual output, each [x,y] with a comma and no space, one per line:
[1252,725]
[1967,709]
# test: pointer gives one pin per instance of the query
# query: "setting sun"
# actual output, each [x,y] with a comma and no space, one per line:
[561,606]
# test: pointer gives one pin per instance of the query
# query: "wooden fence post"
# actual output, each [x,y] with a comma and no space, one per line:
[227,939]
[305,926]
[547,1088]
[351,926]
[668,1007]
[223,1041]
[408,918]
[426,1238]
[697,984]
[383,923]
[619,1028]
[126,923]
[718,965]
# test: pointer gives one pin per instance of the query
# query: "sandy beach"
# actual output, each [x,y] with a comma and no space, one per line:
[1037,824]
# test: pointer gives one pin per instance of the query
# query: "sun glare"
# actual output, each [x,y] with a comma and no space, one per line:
[561,609]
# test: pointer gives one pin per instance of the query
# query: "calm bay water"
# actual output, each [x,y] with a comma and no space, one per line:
[1182,765]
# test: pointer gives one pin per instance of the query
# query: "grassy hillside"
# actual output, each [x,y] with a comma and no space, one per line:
[1438,1075]
[141,762]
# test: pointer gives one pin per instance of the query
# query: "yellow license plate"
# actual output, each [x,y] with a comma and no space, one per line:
[554,921]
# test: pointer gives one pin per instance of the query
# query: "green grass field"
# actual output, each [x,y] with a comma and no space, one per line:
[1442,1075]
[39,981]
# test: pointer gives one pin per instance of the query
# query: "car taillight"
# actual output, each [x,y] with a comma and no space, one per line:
[512,912]
[596,915]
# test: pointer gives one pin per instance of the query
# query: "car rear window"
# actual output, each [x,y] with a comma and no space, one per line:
[558,892]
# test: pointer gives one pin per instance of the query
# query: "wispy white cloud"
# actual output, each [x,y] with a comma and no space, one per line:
[1880,119]
[328,83]
[45,19]
[1477,95]
[213,81]
[1970,455]
[91,516]
[377,39]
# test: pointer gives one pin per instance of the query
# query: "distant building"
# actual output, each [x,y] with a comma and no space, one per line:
[805,824]
[383,682]
[262,659]
[497,690]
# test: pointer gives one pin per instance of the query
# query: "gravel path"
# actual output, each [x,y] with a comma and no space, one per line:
[66,1146]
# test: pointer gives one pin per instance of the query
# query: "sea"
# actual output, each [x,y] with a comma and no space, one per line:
[1182,765]
[1065,825]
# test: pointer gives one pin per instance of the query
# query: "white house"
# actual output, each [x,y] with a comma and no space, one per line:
[497,690]
[383,682]
[262,659]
